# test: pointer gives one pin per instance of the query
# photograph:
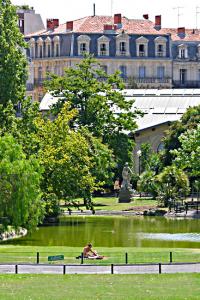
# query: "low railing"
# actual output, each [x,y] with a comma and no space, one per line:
[186,84]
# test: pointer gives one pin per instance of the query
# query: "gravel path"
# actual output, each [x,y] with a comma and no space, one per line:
[98,269]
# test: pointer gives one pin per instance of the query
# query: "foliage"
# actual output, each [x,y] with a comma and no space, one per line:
[52,205]
[188,155]
[173,183]
[12,60]
[66,158]
[20,196]
[103,110]
[24,127]
[189,120]
[147,183]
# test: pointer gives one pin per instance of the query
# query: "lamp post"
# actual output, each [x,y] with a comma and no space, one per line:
[139,153]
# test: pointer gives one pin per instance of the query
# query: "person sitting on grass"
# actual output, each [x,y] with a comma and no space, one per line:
[89,253]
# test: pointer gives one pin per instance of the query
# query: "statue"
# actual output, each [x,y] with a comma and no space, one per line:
[126,191]
[126,175]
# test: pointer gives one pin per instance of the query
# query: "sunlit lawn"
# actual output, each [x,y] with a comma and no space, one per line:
[111,203]
[28,254]
[99,287]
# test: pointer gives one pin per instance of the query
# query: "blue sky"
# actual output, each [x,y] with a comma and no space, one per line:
[67,10]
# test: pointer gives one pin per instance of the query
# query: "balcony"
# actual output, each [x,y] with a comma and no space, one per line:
[160,54]
[186,84]
[103,53]
[122,52]
[141,53]
[148,80]
[38,82]
[29,87]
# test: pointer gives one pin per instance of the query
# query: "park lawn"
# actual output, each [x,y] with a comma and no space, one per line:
[111,203]
[28,254]
[99,287]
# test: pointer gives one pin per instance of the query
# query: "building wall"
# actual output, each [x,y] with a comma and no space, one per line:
[153,136]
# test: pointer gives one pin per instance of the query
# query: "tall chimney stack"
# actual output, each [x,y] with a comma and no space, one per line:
[158,22]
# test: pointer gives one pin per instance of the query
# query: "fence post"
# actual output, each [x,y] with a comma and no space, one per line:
[81,258]
[170,257]
[38,257]
[64,269]
[159,265]
[112,269]
[126,258]
[16,269]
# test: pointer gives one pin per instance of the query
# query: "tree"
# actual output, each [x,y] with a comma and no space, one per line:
[12,60]
[173,183]
[103,110]
[20,195]
[188,155]
[189,120]
[147,183]
[67,159]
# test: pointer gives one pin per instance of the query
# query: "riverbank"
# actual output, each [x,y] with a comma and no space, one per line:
[13,234]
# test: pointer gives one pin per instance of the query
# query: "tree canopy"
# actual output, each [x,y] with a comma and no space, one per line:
[20,194]
[12,59]
[100,104]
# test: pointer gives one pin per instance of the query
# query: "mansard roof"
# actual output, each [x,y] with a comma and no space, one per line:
[191,35]
[95,24]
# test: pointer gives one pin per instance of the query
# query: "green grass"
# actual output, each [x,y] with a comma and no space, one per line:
[100,287]
[111,203]
[27,254]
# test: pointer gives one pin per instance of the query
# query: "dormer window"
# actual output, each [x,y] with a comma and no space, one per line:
[122,45]
[142,46]
[182,51]
[56,40]
[83,44]
[40,48]
[103,49]
[48,47]
[141,50]
[83,48]
[122,48]
[160,46]
[103,46]
[32,47]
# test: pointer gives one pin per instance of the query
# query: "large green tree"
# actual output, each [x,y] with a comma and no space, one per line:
[12,59]
[101,107]
[20,194]
[189,120]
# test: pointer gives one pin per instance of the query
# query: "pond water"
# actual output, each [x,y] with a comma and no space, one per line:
[116,232]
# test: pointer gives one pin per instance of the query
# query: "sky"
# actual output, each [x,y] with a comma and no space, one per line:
[67,10]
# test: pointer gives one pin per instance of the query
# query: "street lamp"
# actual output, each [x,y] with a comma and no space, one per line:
[139,154]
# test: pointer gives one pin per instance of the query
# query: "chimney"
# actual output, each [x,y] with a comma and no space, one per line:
[146,17]
[52,24]
[117,19]
[181,31]
[70,25]
[158,22]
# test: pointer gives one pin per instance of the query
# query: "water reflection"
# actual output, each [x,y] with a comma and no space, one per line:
[116,232]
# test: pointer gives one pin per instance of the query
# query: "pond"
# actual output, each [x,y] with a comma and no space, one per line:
[116,232]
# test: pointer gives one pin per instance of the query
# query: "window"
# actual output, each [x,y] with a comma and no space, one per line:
[182,53]
[57,50]
[83,44]
[141,50]
[122,48]
[142,46]
[160,50]
[142,72]
[48,50]
[160,72]
[199,74]
[40,74]
[56,41]
[122,44]
[40,51]
[103,49]
[123,72]
[47,72]
[183,76]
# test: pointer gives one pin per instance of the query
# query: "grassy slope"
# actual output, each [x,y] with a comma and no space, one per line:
[17,254]
[75,287]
